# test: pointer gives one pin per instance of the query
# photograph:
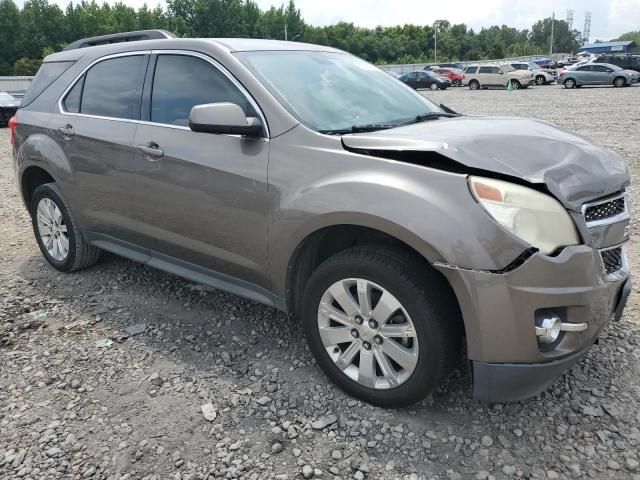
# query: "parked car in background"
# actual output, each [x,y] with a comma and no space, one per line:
[393,74]
[541,76]
[8,106]
[565,62]
[496,76]
[547,63]
[432,66]
[455,75]
[598,74]
[626,62]
[425,79]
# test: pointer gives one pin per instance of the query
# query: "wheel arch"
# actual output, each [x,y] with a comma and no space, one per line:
[31,178]
[324,241]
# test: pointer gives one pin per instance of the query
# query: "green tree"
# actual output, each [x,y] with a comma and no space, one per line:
[564,39]
[9,30]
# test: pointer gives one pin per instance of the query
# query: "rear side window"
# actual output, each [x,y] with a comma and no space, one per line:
[489,70]
[471,70]
[113,88]
[48,73]
[181,82]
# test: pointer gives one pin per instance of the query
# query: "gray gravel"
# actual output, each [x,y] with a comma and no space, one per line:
[213,386]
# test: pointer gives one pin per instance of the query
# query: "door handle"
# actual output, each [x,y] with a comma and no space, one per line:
[67,130]
[151,150]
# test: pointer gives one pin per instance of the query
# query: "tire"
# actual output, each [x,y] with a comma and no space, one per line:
[433,86]
[79,254]
[569,83]
[474,85]
[420,291]
[516,85]
[619,82]
[540,80]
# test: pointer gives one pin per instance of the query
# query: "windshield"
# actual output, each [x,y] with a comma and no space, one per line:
[535,66]
[6,96]
[334,91]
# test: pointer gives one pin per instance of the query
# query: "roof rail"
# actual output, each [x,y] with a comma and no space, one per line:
[119,38]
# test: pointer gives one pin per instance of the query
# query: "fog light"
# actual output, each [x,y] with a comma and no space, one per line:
[548,328]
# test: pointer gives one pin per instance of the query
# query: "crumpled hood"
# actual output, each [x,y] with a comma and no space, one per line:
[573,169]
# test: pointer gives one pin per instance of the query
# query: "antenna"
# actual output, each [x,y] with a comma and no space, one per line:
[586,32]
[570,18]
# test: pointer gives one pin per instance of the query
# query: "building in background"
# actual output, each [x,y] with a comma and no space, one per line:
[610,47]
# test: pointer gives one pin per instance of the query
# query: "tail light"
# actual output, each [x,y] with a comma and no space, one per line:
[562,72]
[13,125]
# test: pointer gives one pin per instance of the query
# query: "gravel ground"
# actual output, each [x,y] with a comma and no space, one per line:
[123,372]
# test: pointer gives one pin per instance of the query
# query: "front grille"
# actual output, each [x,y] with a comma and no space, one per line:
[605,210]
[612,259]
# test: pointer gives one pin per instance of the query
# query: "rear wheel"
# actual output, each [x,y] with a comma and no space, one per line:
[383,326]
[540,80]
[59,238]
[569,83]
[474,85]
[515,84]
[619,82]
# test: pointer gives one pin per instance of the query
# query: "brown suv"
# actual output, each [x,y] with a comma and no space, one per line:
[304,178]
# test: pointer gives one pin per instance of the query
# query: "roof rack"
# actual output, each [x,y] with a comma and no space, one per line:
[119,38]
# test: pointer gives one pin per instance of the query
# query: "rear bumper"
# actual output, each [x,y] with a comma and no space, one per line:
[495,383]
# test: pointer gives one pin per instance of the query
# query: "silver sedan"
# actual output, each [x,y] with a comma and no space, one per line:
[598,74]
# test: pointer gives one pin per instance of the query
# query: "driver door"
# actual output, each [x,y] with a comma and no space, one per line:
[201,197]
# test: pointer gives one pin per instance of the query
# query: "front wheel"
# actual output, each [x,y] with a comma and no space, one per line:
[57,233]
[540,80]
[515,84]
[474,85]
[383,326]
[434,86]
[619,82]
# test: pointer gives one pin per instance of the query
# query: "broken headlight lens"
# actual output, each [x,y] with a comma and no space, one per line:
[536,218]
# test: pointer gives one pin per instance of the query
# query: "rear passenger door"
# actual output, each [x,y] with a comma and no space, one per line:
[201,196]
[602,74]
[488,76]
[95,127]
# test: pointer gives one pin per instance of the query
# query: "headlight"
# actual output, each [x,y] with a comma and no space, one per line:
[536,218]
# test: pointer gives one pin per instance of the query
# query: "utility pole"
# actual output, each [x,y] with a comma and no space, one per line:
[435,48]
[553,21]
[285,32]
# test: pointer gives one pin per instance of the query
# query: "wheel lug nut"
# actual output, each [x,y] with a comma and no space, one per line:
[354,333]
[377,339]
[373,324]
[366,346]
[359,320]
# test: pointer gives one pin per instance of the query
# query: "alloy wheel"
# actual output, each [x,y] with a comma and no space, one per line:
[367,333]
[52,229]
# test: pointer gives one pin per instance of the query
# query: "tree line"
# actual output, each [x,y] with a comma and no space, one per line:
[39,28]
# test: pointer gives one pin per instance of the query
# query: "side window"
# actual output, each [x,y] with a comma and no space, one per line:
[72,100]
[181,82]
[485,70]
[471,70]
[412,75]
[113,87]
[496,70]
[586,68]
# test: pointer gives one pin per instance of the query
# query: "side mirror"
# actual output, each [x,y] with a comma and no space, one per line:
[223,118]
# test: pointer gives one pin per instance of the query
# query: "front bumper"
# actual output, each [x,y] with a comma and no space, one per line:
[494,383]
[499,312]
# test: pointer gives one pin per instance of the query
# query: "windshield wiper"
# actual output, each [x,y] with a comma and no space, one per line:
[359,129]
[429,116]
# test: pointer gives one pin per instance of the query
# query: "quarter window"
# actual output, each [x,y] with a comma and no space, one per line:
[74,97]
[182,82]
[113,87]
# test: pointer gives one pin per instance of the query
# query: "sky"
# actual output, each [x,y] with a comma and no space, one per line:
[610,18]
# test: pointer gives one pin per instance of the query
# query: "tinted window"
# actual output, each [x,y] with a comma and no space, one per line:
[182,82]
[112,88]
[72,100]
[48,73]
[489,70]
[586,68]
[471,70]
[600,68]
